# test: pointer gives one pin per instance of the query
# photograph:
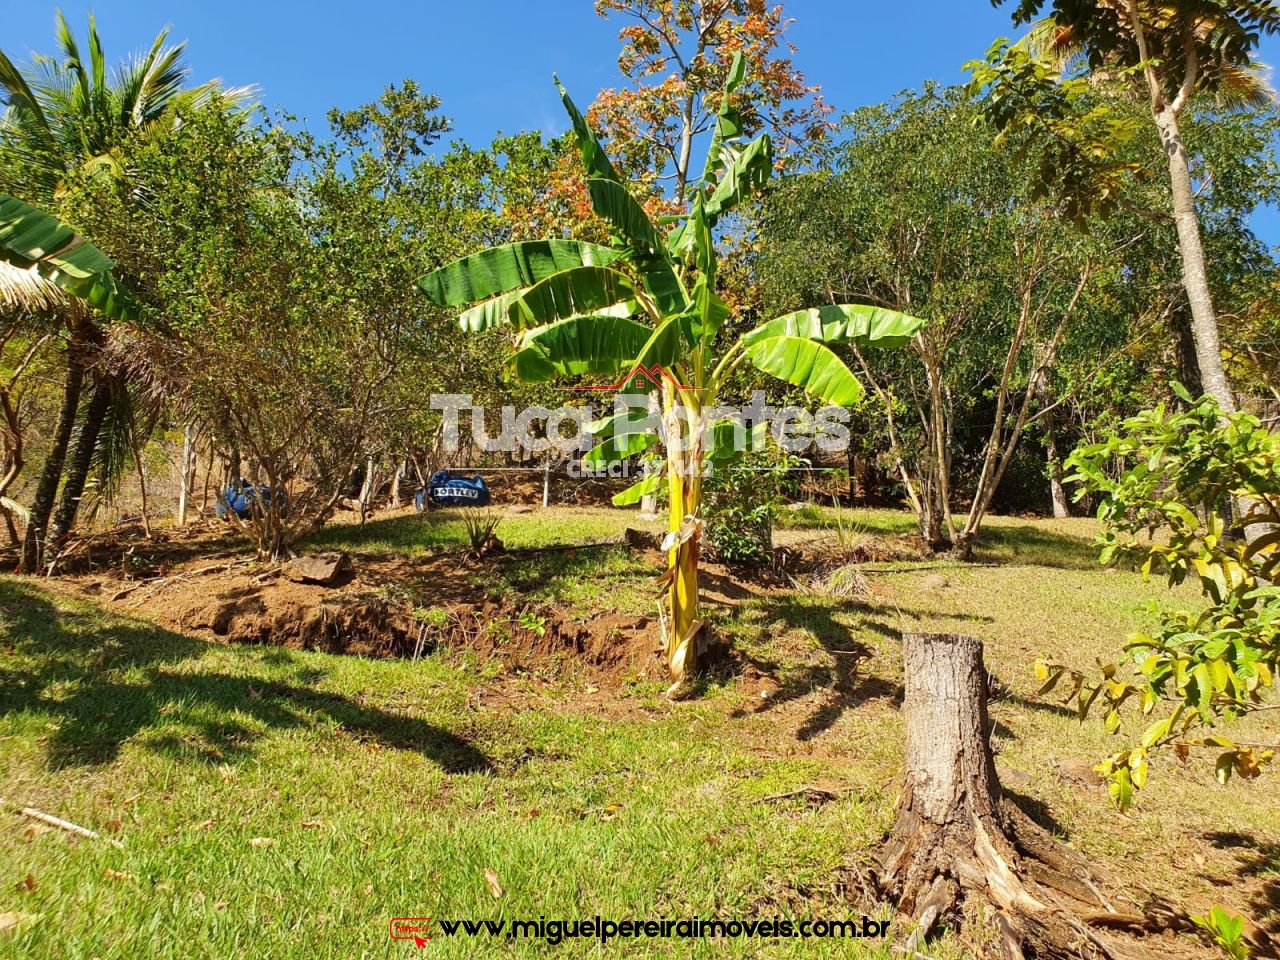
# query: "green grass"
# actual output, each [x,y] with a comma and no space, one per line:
[418,789]
[417,535]
[583,801]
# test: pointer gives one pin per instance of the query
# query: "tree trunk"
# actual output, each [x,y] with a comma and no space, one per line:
[142,485]
[957,838]
[394,498]
[366,489]
[1204,322]
[81,458]
[188,471]
[1057,493]
[1184,352]
[685,638]
[33,541]
[931,515]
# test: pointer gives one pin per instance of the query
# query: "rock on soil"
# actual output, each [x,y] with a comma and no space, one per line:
[325,569]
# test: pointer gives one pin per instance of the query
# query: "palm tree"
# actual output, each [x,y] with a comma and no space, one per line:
[67,116]
[1175,49]
[46,266]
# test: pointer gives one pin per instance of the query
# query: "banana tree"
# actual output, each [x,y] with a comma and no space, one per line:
[41,253]
[649,301]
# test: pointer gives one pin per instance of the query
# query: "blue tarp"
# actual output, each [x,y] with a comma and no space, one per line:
[240,497]
[446,490]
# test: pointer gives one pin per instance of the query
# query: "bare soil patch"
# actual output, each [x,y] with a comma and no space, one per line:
[201,582]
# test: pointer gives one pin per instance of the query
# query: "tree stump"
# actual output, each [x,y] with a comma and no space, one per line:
[957,842]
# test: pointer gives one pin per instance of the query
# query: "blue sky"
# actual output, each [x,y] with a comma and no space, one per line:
[491,60]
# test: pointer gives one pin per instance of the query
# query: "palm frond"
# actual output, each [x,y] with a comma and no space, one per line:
[27,291]
[23,107]
[1244,86]
[160,78]
[1056,43]
[97,60]
[72,63]
[114,449]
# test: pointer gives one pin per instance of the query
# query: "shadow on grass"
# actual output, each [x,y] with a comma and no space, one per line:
[102,680]
[1259,859]
[844,686]
[1036,546]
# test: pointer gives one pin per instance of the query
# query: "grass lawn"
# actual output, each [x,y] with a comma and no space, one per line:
[278,803]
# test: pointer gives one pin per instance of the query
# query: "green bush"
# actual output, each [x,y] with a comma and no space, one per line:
[740,502]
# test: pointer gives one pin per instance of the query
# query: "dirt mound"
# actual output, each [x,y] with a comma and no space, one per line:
[301,616]
[535,638]
[384,607]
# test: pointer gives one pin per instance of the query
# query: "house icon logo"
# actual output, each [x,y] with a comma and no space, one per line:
[639,376]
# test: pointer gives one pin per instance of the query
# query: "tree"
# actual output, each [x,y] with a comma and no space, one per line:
[65,121]
[48,265]
[1176,472]
[959,848]
[284,264]
[678,55]
[66,116]
[1176,50]
[572,305]
[923,213]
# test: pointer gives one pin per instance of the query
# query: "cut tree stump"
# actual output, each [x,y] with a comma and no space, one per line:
[959,849]
[326,569]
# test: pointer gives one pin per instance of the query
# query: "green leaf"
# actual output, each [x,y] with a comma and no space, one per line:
[723,446]
[663,346]
[570,293]
[748,172]
[866,326]
[30,238]
[623,421]
[728,120]
[579,345]
[1121,788]
[593,156]
[638,491]
[614,203]
[710,312]
[491,313]
[807,364]
[509,267]
[618,448]
[1157,731]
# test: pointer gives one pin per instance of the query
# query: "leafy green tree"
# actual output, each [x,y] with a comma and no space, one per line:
[1166,479]
[917,210]
[66,119]
[1173,50]
[572,305]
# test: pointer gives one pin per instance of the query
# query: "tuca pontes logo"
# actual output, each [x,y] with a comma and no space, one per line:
[657,375]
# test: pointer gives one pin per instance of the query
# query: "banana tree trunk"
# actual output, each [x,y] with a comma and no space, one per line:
[684,469]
